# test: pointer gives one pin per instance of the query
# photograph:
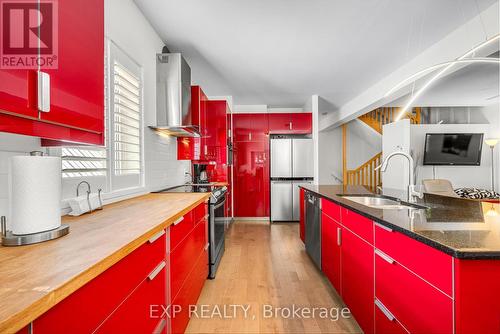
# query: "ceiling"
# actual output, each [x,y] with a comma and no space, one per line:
[280,52]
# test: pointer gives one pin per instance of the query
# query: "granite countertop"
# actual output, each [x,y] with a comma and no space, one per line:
[462,228]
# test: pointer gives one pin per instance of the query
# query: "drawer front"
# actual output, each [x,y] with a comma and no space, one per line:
[134,315]
[200,212]
[385,322]
[189,294]
[358,224]
[184,256]
[331,209]
[417,305]
[86,308]
[330,250]
[432,265]
[180,229]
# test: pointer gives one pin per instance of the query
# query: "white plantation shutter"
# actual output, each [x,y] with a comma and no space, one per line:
[79,162]
[125,120]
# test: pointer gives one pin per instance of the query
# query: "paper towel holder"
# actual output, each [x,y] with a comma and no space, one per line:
[10,239]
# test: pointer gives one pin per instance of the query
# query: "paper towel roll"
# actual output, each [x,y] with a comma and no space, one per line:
[35,194]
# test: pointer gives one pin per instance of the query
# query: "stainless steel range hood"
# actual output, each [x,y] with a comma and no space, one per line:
[173,96]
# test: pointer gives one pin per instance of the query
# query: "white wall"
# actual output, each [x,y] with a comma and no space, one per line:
[128,29]
[459,176]
[411,138]
[330,156]
[396,138]
[362,143]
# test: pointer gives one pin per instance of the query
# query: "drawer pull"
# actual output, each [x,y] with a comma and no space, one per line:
[160,327]
[384,256]
[388,229]
[178,221]
[156,236]
[384,310]
[207,245]
[157,270]
[339,236]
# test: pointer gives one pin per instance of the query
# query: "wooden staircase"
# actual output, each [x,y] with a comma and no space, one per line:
[366,175]
[377,118]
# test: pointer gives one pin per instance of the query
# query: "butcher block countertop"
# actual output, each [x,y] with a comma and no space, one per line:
[34,278]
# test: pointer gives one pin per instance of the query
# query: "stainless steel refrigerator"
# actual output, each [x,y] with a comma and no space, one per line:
[291,166]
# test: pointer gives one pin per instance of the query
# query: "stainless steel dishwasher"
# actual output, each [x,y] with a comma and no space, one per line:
[313,227]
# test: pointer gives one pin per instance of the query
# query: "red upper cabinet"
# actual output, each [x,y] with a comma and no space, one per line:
[217,131]
[280,123]
[290,123]
[199,109]
[77,85]
[301,123]
[250,127]
[18,92]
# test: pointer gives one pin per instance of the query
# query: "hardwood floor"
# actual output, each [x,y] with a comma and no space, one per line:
[267,265]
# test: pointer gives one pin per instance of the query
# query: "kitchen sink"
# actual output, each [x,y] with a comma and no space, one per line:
[381,202]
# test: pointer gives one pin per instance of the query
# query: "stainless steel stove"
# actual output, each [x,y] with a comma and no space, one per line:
[216,222]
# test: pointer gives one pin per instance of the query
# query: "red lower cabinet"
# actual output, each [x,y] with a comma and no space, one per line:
[419,306]
[251,181]
[330,250]
[385,322]
[183,257]
[85,309]
[357,279]
[141,312]
[189,294]
[477,292]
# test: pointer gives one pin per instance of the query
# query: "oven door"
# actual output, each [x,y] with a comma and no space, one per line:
[217,231]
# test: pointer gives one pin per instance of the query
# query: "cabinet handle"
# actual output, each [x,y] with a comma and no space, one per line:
[384,310]
[206,217]
[207,245]
[339,236]
[160,327]
[43,83]
[384,256]
[156,236]
[178,221]
[205,149]
[388,229]
[290,125]
[157,270]
[250,136]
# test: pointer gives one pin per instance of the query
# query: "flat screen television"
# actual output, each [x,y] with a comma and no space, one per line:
[455,149]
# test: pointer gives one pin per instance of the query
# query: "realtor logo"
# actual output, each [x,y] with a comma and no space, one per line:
[28,34]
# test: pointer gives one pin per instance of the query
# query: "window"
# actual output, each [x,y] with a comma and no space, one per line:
[78,162]
[125,120]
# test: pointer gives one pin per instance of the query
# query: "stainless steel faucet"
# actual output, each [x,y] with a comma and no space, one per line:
[412,193]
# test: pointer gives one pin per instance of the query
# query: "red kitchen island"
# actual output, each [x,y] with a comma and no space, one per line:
[432,268]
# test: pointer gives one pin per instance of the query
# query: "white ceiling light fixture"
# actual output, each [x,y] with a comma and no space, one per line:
[437,66]
[447,66]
